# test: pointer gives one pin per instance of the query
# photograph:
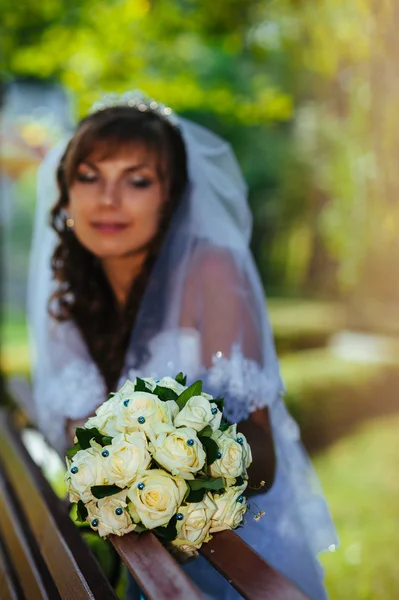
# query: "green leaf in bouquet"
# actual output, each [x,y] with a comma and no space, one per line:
[139,528]
[223,425]
[180,378]
[106,440]
[206,432]
[85,435]
[219,403]
[208,483]
[239,481]
[211,448]
[141,386]
[194,390]
[72,451]
[103,491]
[165,393]
[111,395]
[196,495]
[168,532]
[81,512]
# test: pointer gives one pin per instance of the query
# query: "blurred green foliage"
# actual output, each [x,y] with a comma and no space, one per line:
[193,55]
[298,88]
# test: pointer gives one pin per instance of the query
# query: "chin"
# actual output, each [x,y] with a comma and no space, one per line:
[113,247]
[107,255]
[106,251]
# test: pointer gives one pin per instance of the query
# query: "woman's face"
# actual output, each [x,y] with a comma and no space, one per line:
[116,202]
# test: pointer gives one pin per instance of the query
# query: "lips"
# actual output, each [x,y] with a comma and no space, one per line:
[109,227]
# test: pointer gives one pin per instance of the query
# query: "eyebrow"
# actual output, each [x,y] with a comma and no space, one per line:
[130,169]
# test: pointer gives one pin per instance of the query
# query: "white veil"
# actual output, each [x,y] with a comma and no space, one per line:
[203,313]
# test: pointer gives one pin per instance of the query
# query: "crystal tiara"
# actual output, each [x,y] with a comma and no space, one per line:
[135,99]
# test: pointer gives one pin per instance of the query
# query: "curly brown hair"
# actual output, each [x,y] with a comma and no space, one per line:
[84,293]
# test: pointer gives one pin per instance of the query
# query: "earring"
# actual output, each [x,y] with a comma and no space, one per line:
[70,222]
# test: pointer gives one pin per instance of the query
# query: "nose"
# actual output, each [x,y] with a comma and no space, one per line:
[110,195]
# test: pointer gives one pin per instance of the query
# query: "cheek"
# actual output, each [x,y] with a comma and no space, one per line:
[81,207]
[145,211]
[144,214]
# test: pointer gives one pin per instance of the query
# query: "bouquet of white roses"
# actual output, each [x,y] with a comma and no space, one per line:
[158,456]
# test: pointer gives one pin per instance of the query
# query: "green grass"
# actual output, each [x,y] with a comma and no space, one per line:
[359,475]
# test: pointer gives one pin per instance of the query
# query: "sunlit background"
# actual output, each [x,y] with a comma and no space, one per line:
[307,93]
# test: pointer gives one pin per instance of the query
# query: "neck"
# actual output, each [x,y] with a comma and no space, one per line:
[121,273]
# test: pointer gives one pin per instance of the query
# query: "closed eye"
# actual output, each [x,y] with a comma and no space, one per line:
[86,177]
[141,182]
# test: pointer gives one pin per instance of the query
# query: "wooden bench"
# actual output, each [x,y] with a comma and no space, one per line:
[43,555]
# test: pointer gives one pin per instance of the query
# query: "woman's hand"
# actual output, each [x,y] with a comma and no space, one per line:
[258,432]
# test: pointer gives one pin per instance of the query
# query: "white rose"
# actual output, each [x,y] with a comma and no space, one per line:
[125,391]
[172,384]
[83,471]
[179,451]
[231,507]
[242,440]
[108,413]
[140,410]
[127,455]
[105,425]
[110,515]
[104,419]
[193,529]
[155,497]
[173,409]
[231,463]
[198,413]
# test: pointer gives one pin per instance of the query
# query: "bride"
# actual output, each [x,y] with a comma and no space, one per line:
[146,270]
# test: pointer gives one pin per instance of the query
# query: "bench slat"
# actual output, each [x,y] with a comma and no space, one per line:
[19,548]
[69,560]
[156,571]
[246,571]
[7,588]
